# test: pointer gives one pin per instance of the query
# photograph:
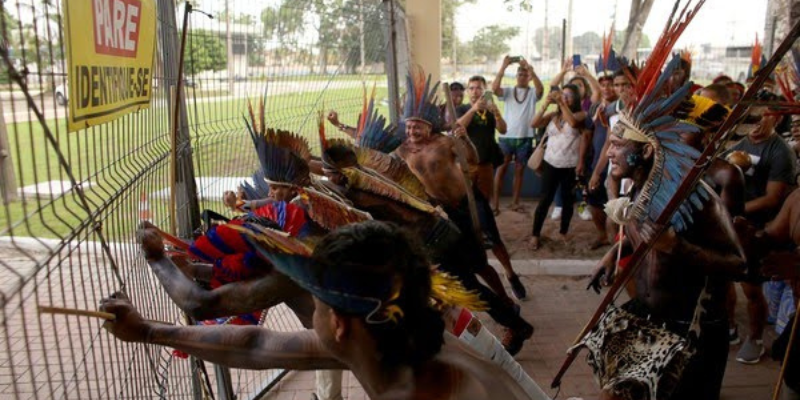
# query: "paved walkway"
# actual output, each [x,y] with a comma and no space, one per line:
[558,307]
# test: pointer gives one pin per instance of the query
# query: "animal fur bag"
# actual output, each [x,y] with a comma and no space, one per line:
[633,357]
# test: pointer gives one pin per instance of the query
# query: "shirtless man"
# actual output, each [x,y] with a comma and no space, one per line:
[433,159]
[397,348]
[675,271]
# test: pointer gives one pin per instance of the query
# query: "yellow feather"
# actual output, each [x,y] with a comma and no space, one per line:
[448,291]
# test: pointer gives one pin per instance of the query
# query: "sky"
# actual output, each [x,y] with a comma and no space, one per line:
[719,22]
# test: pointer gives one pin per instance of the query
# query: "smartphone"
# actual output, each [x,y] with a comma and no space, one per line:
[554,88]
[516,59]
[487,95]
[576,60]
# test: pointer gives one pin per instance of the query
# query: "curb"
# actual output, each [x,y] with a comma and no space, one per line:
[555,267]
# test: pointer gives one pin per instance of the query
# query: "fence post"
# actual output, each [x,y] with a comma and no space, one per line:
[391,63]
[188,209]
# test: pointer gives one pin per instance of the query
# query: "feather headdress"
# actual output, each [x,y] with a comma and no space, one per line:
[372,297]
[648,77]
[283,155]
[421,99]
[393,168]
[757,61]
[342,156]
[789,104]
[371,131]
[607,63]
[654,119]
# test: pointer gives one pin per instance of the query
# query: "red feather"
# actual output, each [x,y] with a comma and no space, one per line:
[663,47]
[755,57]
[785,86]
[607,41]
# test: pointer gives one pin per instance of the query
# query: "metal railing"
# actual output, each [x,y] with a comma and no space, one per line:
[71,202]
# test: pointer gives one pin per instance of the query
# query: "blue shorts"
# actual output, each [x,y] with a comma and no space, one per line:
[519,148]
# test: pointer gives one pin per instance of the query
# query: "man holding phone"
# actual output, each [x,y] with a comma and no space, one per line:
[517,143]
[482,118]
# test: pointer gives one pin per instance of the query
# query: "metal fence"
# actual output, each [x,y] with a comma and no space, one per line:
[72,201]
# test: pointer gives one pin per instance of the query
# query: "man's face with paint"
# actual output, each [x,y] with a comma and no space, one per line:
[619,154]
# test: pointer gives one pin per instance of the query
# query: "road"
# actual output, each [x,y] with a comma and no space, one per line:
[14,107]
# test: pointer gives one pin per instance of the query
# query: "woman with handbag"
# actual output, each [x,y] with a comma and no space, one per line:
[560,155]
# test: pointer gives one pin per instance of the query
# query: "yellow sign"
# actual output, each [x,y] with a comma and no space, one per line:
[110,47]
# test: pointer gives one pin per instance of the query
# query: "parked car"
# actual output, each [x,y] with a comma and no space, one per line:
[61,95]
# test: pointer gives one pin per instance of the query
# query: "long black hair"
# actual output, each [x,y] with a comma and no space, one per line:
[389,253]
[575,104]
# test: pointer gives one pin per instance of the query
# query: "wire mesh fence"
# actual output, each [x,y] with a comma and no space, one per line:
[72,201]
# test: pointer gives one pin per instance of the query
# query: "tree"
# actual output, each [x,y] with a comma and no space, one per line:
[328,28]
[206,52]
[490,41]
[374,44]
[640,10]
[587,43]
[553,39]
[285,23]
[449,36]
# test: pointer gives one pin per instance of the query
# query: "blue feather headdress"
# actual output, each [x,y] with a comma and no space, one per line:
[283,155]
[656,120]
[259,189]
[421,102]
[371,131]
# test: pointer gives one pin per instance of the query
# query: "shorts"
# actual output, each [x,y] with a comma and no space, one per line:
[520,148]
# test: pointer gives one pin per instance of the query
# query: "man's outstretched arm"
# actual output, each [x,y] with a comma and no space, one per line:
[231,299]
[234,346]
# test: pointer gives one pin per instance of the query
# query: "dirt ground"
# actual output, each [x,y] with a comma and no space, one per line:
[515,229]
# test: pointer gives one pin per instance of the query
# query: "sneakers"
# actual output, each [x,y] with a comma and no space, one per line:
[556,214]
[517,287]
[583,212]
[733,336]
[513,339]
[751,351]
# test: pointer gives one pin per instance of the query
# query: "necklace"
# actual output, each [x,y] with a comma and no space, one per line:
[524,97]
[482,115]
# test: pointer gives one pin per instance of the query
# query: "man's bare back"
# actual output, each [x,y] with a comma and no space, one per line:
[434,163]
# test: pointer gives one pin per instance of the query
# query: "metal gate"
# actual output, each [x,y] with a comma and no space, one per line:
[72,201]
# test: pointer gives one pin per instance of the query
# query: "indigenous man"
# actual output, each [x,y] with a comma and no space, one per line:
[683,262]
[434,159]
[373,315]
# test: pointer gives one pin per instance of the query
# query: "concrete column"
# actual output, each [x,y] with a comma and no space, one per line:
[425,34]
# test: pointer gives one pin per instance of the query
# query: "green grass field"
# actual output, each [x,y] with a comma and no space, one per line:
[129,156]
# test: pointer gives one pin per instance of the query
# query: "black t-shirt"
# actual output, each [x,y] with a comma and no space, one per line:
[772,160]
[481,133]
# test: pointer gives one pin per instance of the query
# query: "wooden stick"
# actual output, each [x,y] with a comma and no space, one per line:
[789,346]
[81,313]
[87,313]
[682,192]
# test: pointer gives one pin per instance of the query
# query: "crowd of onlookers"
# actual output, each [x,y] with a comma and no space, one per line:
[571,123]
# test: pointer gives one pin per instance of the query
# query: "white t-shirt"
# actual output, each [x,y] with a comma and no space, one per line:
[519,114]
